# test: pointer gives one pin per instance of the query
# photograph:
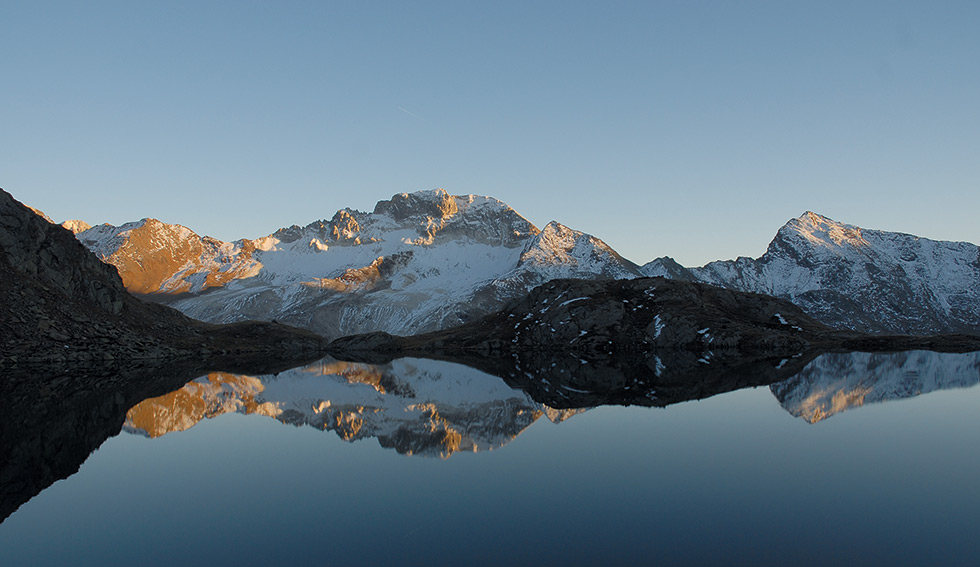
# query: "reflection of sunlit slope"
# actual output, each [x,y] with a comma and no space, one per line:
[415,406]
[354,372]
[215,394]
[835,382]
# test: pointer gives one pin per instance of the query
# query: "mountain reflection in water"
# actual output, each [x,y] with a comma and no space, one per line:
[415,406]
[835,382]
[438,407]
[616,485]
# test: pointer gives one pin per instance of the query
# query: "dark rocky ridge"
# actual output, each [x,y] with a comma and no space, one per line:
[642,316]
[61,304]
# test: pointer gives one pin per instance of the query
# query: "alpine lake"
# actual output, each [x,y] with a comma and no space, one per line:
[851,459]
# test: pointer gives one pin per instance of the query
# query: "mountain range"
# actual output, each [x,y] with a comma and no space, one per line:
[437,408]
[429,260]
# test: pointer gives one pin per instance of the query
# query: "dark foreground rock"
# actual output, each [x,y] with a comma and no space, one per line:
[61,304]
[644,316]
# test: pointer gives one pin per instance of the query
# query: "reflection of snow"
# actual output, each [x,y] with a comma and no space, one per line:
[835,382]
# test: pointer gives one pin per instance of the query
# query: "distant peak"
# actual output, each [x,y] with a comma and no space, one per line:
[76,226]
[558,228]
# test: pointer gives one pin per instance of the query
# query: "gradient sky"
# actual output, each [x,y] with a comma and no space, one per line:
[689,129]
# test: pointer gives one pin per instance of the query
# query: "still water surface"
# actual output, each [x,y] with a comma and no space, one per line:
[354,464]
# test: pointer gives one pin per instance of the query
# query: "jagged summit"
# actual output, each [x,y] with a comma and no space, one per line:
[435,203]
[421,218]
[820,231]
[157,257]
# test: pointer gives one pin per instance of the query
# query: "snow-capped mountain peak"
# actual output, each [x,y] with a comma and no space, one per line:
[861,279]
[819,230]
[558,247]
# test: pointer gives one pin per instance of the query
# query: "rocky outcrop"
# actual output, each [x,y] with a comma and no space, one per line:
[155,257]
[36,250]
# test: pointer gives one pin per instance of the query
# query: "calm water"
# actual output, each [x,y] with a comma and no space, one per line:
[858,459]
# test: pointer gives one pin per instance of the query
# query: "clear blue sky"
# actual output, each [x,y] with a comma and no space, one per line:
[690,129]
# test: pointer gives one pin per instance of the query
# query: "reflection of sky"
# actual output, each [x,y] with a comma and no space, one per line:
[733,478]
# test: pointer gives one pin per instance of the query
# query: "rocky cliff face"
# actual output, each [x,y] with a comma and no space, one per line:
[59,303]
[853,278]
[37,251]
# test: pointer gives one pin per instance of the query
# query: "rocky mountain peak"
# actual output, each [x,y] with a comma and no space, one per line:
[435,203]
[434,216]
[344,225]
[559,245]
[819,231]
[667,267]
